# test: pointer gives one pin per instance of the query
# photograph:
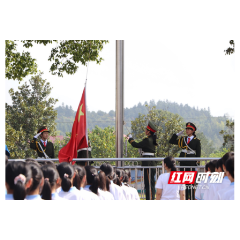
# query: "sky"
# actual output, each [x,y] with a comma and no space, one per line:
[195,72]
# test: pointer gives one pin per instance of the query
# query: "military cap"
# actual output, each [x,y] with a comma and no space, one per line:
[43,129]
[151,127]
[191,126]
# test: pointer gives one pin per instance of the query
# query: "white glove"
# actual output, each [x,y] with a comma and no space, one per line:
[130,135]
[180,133]
[36,136]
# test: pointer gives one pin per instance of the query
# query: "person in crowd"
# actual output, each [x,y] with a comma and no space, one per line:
[51,179]
[102,186]
[229,193]
[34,191]
[7,151]
[44,148]
[191,147]
[18,177]
[80,181]
[126,182]
[126,190]
[167,191]
[147,149]
[225,182]
[110,185]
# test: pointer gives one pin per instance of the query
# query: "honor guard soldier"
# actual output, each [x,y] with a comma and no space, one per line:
[191,147]
[147,149]
[84,153]
[43,147]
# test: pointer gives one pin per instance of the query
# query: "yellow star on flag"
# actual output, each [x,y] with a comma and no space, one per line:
[80,113]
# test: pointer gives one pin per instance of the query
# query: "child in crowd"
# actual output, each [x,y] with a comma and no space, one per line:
[18,177]
[226,182]
[167,191]
[229,191]
[80,181]
[33,192]
[126,191]
[67,175]
[51,179]
[126,181]
[113,188]
[102,186]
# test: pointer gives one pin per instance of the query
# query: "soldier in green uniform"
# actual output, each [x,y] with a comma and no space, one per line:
[43,147]
[84,153]
[147,149]
[191,147]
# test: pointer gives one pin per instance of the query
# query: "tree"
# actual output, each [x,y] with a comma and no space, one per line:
[18,65]
[65,56]
[167,124]
[228,135]
[230,50]
[31,109]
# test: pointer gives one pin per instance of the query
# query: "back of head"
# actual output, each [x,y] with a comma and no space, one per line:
[119,174]
[102,180]
[51,176]
[92,178]
[206,167]
[37,176]
[226,156]
[31,160]
[219,164]
[17,175]
[108,170]
[170,163]
[80,173]
[211,166]
[230,166]
[49,162]
[66,173]
[125,179]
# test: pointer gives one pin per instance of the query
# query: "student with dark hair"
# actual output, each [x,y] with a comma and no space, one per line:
[229,193]
[126,182]
[102,186]
[67,175]
[226,181]
[80,181]
[110,185]
[126,191]
[34,191]
[167,191]
[51,178]
[31,160]
[18,177]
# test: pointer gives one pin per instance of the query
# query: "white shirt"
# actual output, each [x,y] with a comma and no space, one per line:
[55,196]
[190,138]
[105,195]
[133,193]
[169,191]
[211,193]
[43,142]
[226,183]
[97,197]
[33,197]
[201,190]
[229,194]
[116,191]
[126,192]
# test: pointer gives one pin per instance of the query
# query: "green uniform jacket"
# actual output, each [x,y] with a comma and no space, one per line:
[147,146]
[49,149]
[194,144]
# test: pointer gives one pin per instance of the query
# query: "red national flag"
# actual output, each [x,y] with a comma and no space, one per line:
[79,135]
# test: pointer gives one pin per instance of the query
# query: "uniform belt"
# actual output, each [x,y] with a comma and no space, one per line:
[147,154]
[89,149]
[188,151]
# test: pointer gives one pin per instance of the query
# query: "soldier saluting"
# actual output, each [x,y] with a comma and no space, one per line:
[147,149]
[43,147]
[191,147]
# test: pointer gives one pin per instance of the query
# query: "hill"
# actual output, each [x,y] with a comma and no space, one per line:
[210,126]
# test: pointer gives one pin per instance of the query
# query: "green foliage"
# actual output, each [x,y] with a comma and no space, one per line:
[18,65]
[167,124]
[219,153]
[228,135]
[230,50]
[68,53]
[31,109]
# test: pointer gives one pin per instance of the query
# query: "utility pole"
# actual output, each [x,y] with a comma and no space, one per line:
[119,99]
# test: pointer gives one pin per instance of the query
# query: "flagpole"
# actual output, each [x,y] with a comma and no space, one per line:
[86,116]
